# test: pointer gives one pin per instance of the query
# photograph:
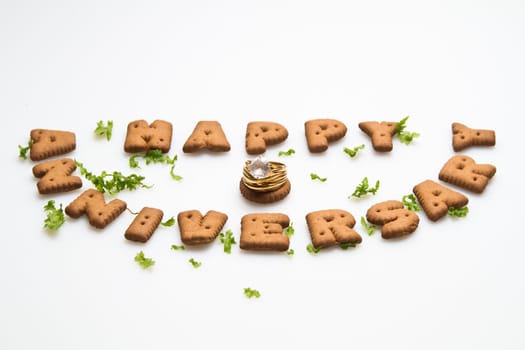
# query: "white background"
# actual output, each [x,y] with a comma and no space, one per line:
[454,284]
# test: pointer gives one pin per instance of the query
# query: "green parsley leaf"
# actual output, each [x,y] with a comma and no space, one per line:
[287,153]
[177,247]
[22,151]
[196,264]
[113,182]
[290,252]
[227,240]
[289,231]
[168,223]
[311,249]
[410,202]
[458,212]
[54,217]
[370,229]
[363,188]
[345,246]
[155,156]
[250,293]
[353,151]
[405,137]
[317,177]
[102,129]
[143,261]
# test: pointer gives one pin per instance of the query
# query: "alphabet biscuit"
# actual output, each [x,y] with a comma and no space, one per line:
[264,232]
[436,199]
[463,171]
[197,229]
[91,202]
[396,220]
[50,143]
[320,132]
[380,133]
[144,225]
[262,134]
[55,176]
[331,227]
[463,137]
[142,137]
[207,135]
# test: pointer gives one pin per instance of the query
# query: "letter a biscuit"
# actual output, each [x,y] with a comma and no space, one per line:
[436,199]
[207,135]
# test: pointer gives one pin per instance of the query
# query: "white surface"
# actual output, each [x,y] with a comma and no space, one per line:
[455,284]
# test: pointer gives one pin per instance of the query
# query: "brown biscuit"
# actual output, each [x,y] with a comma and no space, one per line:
[197,229]
[463,137]
[207,135]
[144,225]
[381,134]
[91,202]
[463,171]
[264,232]
[331,227]
[396,220]
[55,176]
[262,134]
[265,197]
[50,143]
[319,132]
[142,137]
[436,199]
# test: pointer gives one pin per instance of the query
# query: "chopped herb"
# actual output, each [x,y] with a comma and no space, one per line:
[155,156]
[289,231]
[250,293]
[353,151]
[102,129]
[54,217]
[363,189]
[132,212]
[410,202]
[458,212]
[287,153]
[168,223]
[143,261]
[22,151]
[311,249]
[370,229]
[345,246]
[195,264]
[227,240]
[317,177]
[405,137]
[113,182]
[290,252]
[177,247]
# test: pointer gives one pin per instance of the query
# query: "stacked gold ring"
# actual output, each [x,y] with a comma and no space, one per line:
[275,178]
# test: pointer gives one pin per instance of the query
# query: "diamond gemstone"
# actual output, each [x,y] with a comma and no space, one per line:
[259,167]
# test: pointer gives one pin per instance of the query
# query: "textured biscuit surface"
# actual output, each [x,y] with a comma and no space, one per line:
[462,171]
[142,137]
[261,134]
[381,134]
[320,132]
[331,227]
[144,225]
[265,197]
[91,203]
[264,231]
[207,135]
[436,199]
[50,143]
[463,137]
[55,176]
[197,229]
[396,220]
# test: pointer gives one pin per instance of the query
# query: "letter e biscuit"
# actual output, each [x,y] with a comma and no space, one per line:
[264,232]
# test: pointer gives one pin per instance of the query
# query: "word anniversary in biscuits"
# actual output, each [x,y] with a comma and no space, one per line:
[262,181]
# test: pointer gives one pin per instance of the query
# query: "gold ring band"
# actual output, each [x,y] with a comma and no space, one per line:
[275,178]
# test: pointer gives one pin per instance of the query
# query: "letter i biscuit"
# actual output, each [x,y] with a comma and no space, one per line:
[144,225]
